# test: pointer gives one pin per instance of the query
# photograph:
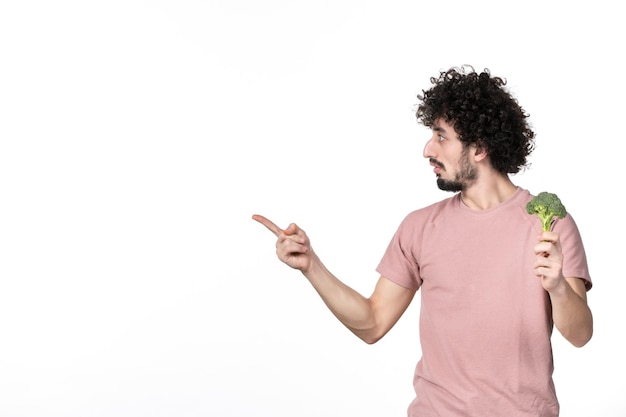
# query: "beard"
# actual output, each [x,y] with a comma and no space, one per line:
[465,177]
[450,185]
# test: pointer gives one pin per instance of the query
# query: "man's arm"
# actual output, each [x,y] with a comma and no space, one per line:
[368,318]
[570,312]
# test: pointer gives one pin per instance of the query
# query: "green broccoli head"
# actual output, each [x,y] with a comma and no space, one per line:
[547,206]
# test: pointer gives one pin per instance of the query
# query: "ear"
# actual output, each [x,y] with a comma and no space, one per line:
[480,152]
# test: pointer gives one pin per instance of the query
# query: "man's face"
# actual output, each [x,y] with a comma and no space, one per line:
[451,160]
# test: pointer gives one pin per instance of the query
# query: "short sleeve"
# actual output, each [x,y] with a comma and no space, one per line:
[574,256]
[399,262]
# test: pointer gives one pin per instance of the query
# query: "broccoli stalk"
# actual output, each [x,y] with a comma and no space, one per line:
[547,206]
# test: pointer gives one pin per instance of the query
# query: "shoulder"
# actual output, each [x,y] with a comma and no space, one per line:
[523,197]
[414,224]
[431,212]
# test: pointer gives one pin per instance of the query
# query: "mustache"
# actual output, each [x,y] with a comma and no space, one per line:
[435,162]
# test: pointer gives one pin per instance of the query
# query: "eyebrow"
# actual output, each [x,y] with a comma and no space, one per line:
[439,129]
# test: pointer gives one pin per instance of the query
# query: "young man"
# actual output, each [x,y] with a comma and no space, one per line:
[492,284]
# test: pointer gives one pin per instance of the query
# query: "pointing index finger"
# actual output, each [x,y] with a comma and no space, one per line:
[268,223]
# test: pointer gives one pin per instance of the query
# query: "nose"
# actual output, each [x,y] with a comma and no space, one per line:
[429,148]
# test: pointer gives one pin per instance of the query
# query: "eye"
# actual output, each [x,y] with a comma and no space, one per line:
[440,138]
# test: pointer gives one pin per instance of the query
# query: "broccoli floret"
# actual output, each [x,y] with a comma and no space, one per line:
[547,206]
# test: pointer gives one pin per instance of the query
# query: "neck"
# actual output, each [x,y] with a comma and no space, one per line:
[488,193]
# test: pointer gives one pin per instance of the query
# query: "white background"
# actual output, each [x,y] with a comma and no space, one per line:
[138,137]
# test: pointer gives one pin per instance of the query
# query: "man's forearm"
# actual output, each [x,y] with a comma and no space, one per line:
[351,308]
[571,314]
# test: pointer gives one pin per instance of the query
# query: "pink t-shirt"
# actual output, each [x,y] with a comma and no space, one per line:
[485,320]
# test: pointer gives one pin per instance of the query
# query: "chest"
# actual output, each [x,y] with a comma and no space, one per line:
[477,257]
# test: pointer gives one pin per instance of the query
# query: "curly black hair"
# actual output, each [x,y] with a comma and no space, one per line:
[482,112]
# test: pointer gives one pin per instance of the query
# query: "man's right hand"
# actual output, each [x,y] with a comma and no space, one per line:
[293,246]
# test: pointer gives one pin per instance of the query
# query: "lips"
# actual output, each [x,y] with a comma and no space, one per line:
[438,166]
